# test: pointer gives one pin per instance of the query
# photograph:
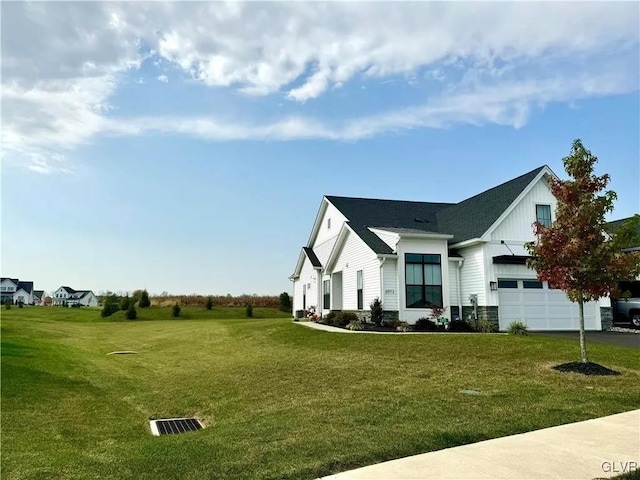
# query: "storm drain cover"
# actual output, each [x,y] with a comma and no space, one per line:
[167,426]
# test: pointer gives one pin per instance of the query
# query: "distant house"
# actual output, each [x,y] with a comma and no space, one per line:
[16,291]
[38,297]
[61,295]
[8,287]
[85,298]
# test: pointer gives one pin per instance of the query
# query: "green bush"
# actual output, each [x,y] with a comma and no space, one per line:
[125,302]
[132,314]
[249,311]
[7,305]
[427,325]
[20,304]
[460,326]
[209,304]
[175,311]
[377,312]
[342,319]
[285,302]
[355,325]
[144,299]
[485,326]
[518,328]
[75,305]
[110,305]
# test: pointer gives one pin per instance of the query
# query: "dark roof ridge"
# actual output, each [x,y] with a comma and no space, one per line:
[389,200]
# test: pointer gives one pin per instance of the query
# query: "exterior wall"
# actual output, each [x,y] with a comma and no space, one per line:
[493,272]
[323,250]
[389,289]
[89,300]
[518,225]
[325,233]
[308,276]
[389,238]
[472,274]
[60,296]
[27,298]
[453,286]
[425,246]
[356,255]
[7,286]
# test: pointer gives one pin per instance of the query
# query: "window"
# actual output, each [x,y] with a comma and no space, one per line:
[531,284]
[360,290]
[328,224]
[326,294]
[507,284]
[423,278]
[543,215]
[304,296]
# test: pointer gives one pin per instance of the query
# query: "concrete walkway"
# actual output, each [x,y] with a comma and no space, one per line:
[599,448]
[329,328]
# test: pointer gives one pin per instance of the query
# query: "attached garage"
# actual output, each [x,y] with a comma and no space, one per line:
[540,307]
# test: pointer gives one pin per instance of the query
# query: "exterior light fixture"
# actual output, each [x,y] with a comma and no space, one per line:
[493,286]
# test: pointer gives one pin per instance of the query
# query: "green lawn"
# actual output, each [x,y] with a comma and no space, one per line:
[279,400]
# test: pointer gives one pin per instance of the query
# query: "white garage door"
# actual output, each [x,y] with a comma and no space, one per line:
[541,307]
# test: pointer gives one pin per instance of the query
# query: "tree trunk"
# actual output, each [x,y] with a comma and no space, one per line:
[583,343]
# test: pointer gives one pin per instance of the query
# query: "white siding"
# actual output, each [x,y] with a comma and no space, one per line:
[22,295]
[89,300]
[493,271]
[472,275]
[518,225]
[356,255]
[390,284]
[389,238]
[8,286]
[325,233]
[308,276]
[453,285]
[421,246]
[323,250]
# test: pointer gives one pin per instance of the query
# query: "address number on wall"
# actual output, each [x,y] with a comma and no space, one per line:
[389,290]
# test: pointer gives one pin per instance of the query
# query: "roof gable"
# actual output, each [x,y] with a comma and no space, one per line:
[26,286]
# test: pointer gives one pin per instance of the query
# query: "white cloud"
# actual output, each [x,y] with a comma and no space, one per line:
[163,78]
[494,61]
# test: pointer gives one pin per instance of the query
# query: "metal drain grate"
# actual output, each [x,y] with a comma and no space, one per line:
[167,426]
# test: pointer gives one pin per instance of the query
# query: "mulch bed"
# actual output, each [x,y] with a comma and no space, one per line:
[588,368]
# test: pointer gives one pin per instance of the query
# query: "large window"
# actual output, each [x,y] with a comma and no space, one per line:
[326,296]
[543,215]
[304,296]
[360,290]
[423,278]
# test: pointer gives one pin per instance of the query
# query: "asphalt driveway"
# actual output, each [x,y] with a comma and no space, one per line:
[620,339]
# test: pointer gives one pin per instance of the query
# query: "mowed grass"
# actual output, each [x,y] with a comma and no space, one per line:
[279,400]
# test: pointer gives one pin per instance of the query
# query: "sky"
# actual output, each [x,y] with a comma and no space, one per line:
[185,147]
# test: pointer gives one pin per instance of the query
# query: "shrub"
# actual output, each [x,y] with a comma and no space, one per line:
[144,299]
[132,314]
[518,328]
[109,305]
[249,311]
[209,304]
[355,325]
[401,326]
[485,326]
[342,319]
[377,312]
[329,318]
[20,304]
[7,305]
[460,326]
[426,325]
[175,311]
[75,305]
[285,302]
[125,302]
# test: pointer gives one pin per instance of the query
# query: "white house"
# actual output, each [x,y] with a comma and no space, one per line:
[16,291]
[38,297]
[69,296]
[467,257]
[84,298]
[8,287]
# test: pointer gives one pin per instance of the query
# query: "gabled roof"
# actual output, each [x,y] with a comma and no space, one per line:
[68,289]
[613,226]
[312,256]
[466,220]
[78,294]
[26,286]
[13,280]
[38,293]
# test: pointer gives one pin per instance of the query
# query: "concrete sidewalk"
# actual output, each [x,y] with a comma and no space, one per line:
[599,448]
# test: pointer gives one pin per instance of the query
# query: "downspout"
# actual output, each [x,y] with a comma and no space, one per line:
[458,278]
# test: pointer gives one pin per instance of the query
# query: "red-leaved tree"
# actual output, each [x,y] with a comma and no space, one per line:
[575,253]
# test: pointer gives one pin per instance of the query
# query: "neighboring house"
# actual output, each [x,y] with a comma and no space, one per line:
[38,297]
[467,257]
[24,293]
[85,298]
[61,295]
[8,287]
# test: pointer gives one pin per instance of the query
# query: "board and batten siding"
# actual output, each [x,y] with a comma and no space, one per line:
[424,246]
[453,285]
[390,292]
[308,276]
[325,232]
[472,274]
[356,255]
[518,225]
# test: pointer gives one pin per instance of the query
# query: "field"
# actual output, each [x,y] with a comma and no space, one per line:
[279,400]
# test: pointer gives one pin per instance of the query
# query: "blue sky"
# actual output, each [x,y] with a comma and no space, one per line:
[186,147]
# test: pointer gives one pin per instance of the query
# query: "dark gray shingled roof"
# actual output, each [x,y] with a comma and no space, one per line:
[465,220]
[613,226]
[26,286]
[312,257]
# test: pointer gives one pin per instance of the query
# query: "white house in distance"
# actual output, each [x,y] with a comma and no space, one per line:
[416,255]
[16,291]
[69,296]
